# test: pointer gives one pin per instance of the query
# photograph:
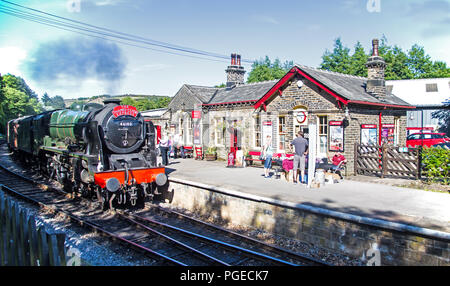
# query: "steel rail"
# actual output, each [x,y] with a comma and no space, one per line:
[247,252]
[80,221]
[284,252]
[172,240]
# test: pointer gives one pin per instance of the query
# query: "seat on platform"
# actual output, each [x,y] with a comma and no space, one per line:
[198,152]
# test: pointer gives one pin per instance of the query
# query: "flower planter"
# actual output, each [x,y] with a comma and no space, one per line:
[210,157]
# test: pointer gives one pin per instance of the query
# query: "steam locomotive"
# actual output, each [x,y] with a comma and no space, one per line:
[99,151]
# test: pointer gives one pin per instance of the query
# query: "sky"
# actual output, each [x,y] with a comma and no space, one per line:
[64,63]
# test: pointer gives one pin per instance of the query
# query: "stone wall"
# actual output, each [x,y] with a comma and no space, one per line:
[374,241]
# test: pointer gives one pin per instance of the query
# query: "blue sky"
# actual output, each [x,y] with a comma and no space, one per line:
[298,30]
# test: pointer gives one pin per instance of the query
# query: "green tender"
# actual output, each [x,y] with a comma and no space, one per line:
[62,123]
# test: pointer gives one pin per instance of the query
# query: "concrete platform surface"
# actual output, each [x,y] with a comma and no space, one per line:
[403,205]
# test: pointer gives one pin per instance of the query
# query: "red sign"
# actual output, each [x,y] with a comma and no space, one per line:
[335,123]
[123,110]
[196,114]
[369,126]
[388,125]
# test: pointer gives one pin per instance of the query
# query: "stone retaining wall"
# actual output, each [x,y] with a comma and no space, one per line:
[375,241]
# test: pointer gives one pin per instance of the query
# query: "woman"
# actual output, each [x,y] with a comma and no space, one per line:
[267,154]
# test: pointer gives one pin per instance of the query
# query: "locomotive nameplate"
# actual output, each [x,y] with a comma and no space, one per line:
[123,110]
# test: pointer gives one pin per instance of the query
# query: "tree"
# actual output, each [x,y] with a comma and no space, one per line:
[2,113]
[358,61]
[444,117]
[57,102]
[46,99]
[339,60]
[18,83]
[17,103]
[16,99]
[264,69]
[418,62]
[413,64]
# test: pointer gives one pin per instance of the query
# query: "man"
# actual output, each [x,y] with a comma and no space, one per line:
[176,143]
[301,150]
[164,148]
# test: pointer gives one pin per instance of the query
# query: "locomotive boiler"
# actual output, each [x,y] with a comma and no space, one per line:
[107,152]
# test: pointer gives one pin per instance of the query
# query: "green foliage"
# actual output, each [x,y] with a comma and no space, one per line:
[211,150]
[143,104]
[56,102]
[339,60]
[444,118]
[16,99]
[412,64]
[77,105]
[264,69]
[436,164]
[358,61]
[19,84]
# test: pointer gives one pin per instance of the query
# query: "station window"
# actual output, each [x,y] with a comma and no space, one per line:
[323,135]
[220,130]
[189,132]
[257,131]
[282,132]
[432,87]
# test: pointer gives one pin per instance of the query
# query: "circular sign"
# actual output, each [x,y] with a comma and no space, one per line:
[301,117]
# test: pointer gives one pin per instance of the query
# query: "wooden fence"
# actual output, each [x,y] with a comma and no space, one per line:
[24,244]
[388,161]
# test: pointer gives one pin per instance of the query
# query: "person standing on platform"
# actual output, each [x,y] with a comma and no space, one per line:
[176,142]
[267,154]
[164,148]
[301,150]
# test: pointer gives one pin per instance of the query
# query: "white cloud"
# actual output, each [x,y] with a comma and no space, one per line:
[10,60]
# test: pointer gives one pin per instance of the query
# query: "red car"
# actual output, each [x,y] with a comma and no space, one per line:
[428,139]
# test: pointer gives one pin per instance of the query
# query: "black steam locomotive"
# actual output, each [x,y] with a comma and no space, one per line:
[104,151]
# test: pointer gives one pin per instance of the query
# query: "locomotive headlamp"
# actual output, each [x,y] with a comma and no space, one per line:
[161,179]
[112,185]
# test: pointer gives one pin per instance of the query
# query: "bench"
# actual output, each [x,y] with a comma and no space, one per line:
[188,151]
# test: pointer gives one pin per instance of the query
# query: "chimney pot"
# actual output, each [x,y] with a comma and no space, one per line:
[375,46]
[233,59]
[376,84]
[235,72]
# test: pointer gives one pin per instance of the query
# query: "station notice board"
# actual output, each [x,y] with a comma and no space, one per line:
[369,134]
[336,136]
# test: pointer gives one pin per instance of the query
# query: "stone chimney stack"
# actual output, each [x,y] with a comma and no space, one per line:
[376,66]
[235,72]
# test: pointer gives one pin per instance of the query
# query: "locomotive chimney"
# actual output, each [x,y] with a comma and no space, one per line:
[235,72]
[376,66]
[113,101]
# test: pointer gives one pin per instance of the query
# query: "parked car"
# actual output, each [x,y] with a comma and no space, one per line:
[426,139]
[445,145]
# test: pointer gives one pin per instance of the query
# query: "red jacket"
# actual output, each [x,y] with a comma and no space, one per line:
[338,159]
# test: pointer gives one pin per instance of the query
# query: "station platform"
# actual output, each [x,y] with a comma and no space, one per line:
[425,209]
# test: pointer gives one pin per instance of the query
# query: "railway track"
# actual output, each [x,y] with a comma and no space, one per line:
[182,225]
[165,241]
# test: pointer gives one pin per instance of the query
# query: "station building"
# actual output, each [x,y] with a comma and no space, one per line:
[428,95]
[343,109]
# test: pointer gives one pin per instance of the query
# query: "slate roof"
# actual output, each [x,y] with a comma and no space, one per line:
[350,87]
[239,93]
